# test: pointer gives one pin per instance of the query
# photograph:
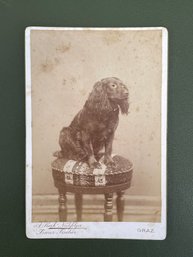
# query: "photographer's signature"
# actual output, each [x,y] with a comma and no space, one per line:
[50,228]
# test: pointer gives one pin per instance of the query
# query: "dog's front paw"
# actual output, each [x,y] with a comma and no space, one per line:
[108,161]
[95,165]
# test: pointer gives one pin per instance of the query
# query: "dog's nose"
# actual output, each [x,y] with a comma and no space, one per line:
[125,90]
[126,93]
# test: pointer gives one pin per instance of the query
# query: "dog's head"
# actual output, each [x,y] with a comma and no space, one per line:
[115,89]
[107,94]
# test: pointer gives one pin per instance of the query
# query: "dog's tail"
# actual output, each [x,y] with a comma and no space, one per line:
[58,154]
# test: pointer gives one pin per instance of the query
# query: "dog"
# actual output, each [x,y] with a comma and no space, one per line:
[93,128]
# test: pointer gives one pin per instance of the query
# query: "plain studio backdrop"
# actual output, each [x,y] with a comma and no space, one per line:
[66,65]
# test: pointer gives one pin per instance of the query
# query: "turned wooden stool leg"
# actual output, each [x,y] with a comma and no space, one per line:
[62,205]
[78,204]
[120,205]
[108,216]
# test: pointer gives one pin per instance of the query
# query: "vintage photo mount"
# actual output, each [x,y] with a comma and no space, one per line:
[114,230]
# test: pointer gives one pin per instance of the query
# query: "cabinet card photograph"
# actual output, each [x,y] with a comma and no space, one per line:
[96,132]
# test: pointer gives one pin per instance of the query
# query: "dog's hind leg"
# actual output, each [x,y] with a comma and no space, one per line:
[70,145]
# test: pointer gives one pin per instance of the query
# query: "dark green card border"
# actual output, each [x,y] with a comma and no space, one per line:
[177,17]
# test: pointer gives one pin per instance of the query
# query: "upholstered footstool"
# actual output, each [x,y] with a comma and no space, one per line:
[76,177]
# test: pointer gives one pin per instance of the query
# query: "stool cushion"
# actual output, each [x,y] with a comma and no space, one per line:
[80,174]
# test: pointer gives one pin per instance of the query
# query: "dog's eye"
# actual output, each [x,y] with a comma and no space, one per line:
[113,85]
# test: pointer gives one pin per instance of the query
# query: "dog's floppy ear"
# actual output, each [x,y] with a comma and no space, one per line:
[98,101]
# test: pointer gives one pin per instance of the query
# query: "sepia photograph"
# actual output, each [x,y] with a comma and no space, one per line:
[96,132]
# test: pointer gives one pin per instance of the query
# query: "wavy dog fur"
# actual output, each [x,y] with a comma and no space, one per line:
[93,128]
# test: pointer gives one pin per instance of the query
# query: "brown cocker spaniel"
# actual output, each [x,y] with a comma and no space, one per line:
[93,128]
